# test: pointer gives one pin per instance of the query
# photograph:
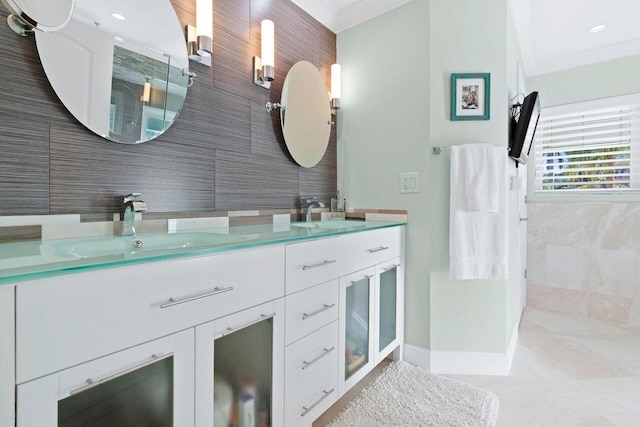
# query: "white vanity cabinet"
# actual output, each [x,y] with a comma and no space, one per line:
[389,309]
[371,303]
[241,357]
[149,384]
[7,355]
[261,334]
[357,334]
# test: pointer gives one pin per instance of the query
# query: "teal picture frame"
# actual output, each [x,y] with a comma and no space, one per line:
[470,96]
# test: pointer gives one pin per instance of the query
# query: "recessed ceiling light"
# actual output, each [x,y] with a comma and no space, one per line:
[597,28]
[118,16]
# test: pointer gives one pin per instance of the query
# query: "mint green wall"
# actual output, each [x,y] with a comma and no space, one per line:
[596,81]
[395,108]
[465,37]
[383,131]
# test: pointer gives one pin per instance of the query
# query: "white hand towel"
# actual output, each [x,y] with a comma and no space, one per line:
[480,177]
[477,240]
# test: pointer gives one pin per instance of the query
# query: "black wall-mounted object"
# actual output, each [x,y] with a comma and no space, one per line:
[524,120]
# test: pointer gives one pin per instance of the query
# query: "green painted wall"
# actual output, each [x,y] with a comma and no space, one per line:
[396,78]
[465,37]
[383,130]
[596,81]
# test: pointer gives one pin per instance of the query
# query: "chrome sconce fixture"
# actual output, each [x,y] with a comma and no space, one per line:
[335,86]
[263,67]
[199,38]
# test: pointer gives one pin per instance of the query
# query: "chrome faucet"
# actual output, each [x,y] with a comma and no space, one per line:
[310,203]
[131,206]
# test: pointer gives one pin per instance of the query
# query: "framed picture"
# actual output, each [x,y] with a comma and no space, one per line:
[470,96]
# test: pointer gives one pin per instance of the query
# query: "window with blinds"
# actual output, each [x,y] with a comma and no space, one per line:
[588,147]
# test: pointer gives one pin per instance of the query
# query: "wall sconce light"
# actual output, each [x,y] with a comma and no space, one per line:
[263,67]
[199,38]
[335,86]
[146,91]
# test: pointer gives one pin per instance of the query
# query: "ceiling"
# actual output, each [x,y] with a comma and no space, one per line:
[552,34]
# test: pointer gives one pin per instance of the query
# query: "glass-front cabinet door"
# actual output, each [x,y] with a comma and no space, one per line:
[356,327]
[147,385]
[389,308]
[240,369]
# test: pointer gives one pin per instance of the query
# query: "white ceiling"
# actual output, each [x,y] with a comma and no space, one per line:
[552,33]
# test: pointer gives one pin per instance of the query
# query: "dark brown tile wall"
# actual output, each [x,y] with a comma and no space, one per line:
[223,153]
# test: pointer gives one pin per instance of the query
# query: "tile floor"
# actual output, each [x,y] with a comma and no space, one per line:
[569,371]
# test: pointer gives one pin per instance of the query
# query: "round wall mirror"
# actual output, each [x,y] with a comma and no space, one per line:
[48,15]
[305,114]
[119,66]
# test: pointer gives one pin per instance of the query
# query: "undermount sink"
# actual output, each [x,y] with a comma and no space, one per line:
[142,243]
[329,225]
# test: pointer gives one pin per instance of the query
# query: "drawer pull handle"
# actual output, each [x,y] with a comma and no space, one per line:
[94,383]
[366,277]
[326,351]
[216,291]
[325,307]
[381,248]
[320,264]
[391,267]
[262,317]
[310,408]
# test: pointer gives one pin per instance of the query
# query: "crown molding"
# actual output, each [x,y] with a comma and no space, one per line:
[338,20]
[592,56]
[364,10]
[321,10]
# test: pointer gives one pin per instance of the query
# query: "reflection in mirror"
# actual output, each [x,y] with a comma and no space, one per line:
[49,15]
[120,67]
[305,114]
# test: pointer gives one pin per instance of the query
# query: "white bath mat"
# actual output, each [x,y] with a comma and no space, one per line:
[406,395]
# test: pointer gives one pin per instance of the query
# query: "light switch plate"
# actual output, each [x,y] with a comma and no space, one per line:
[410,182]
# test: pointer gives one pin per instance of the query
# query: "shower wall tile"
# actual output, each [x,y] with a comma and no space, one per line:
[584,258]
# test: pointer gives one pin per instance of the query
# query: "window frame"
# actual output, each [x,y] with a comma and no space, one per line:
[588,195]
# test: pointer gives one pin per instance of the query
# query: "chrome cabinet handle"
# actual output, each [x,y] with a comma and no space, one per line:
[94,383]
[381,248]
[524,219]
[216,291]
[391,267]
[326,351]
[262,317]
[325,307]
[317,402]
[366,276]
[320,264]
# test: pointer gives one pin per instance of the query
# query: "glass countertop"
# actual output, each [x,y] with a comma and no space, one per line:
[40,259]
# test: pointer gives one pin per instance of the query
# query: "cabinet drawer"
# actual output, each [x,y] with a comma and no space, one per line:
[311,263]
[311,309]
[362,250]
[311,376]
[66,320]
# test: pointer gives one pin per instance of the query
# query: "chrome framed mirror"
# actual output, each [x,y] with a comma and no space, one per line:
[120,67]
[305,114]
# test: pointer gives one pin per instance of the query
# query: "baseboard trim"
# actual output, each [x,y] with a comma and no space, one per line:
[417,356]
[463,362]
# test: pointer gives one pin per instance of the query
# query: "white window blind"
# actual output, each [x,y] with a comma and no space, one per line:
[589,147]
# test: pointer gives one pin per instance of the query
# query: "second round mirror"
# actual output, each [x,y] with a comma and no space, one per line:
[305,114]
